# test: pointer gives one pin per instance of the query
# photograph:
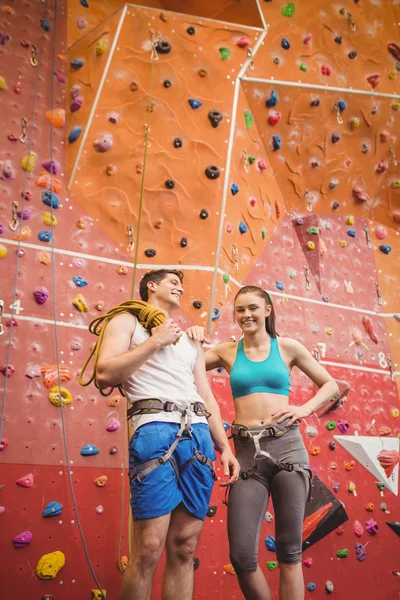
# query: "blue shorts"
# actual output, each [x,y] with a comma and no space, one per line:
[160,491]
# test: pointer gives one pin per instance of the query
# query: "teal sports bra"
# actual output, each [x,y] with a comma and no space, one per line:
[269,376]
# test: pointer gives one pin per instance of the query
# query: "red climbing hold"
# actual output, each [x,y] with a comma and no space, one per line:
[394,50]
[313,520]
[26,481]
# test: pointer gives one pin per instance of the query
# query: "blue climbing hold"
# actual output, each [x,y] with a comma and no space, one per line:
[234,189]
[279,285]
[77,64]
[242,227]
[217,314]
[79,281]
[351,233]
[341,105]
[272,100]
[45,24]
[195,103]
[50,199]
[311,586]
[226,426]
[44,236]
[84,3]
[385,249]
[89,450]
[74,134]
[276,142]
[270,543]
[53,509]
[285,43]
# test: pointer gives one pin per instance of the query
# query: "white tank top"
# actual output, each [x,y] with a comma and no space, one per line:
[167,375]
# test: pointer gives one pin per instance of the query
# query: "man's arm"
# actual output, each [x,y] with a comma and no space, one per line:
[116,362]
[229,462]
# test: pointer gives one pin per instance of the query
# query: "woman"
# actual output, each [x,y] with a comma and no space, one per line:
[267,441]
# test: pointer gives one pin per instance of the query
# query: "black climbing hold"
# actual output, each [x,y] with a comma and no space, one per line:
[178,143]
[170,184]
[184,242]
[196,564]
[315,102]
[197,304]
[163,47]
[204,214]
[215,118]
[167,83]
[342,11]
[150,252]
[352,54]
[45,24]
[285,43]
[77,64]
[191,30]
[212,172]
[212,510]
[338,39]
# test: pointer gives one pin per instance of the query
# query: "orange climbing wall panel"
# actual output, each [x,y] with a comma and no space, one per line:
[91,243]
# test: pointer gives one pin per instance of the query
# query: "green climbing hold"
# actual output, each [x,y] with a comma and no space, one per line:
[263,233]
[225,278]
[381,486]
[313,230]
[248,119]
[252,159]
[342,553]
[224,53]
[272,564]
[331,425]
[303,67]
[288,10]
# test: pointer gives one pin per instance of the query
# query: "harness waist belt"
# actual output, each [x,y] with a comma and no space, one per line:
[153,405]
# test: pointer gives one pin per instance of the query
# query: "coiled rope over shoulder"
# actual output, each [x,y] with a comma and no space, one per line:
[149,316]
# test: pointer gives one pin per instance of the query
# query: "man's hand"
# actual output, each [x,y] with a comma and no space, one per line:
[197,334]
[167,333]
[231,467]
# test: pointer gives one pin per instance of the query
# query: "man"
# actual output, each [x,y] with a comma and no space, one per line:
[171,451]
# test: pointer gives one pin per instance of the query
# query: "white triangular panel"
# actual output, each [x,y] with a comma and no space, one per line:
[365,449]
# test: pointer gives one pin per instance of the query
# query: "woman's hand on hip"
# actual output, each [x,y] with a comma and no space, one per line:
[295,413]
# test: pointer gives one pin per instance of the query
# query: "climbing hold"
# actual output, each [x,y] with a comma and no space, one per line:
[80,303]
[271,565]
[343,426]
[6,170]
[212,511]
[26,481]
[229,569]
[81,23]
[253,202]
[50,199]
[22,540]
[332,445]
[123,563]
[303,67]
[74,134]
[217,314]
[150,253]
[99,594]
[76,103]
[212,172]
[60,395]
[285,43]
[178,143]
[394,50]
[104,143]
[49,565]
[274,118]
[361,552]
[330,425]
[234,189]
[268,517]
[270,543]
[307,562]
[374,80]
[272,100]
[77,64]
[113,450]
[352,54]
[45,236]
[202,72]
[342,553]
[369,507]
[197,304]
[113,425]
[385,248]
[276,142]
[310,245]
[3,443]
[395,413]
[336,487]
[170,184]
[242,227]
[52,509]
[25,214]
[380,232]
[248,119]
[326,69]
[215,117]
[354,122]
[311,587]
[329,587]
[338,39]
[350,465]
[167,83]
[194,103]
[243,41]
[99,509]
[28,162]
[311,431]
[52,166]
[45,24]
[358,528]
[41,294]
[102,46]
[372,526]
[365,147]
[89,450]
[224,53]
[288,10]
[190,30]
[351,487]
[335,138]
[351,233]
[315,450]
[163,47]
[184,242]
[383,506]
[343,243]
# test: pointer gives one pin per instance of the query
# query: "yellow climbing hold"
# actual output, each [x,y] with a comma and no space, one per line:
[350,220]
[343,243]
[97,594]
[392,74]
[351,487]
[55,393]
[396,184]
[101,46]
[3,85]
[310,245]
[3,251]
[80,303]
[49,565]
[354,122]
[329,331]
[395,413]
[395,105]
[28,162]
[49,219]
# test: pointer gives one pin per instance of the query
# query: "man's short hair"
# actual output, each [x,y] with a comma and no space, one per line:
[156,276]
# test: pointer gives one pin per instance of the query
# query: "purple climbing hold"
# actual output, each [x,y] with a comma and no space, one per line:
[338,39]
[81,23]
[25,214]
[104,143]
[41,294]
[315,102]
[352,54]
[372,526]
[332,445]
[60,77]
[343,426]
[114,425]
[336,487]
[335,205]
[335,138]
[361,552]
[23,539]
[113,117]
[52,166]
[1,228]
[76,103]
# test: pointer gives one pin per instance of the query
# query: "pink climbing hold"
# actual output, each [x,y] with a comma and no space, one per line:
[26,481]
[52,166]
[243,41]
[261,164]
[358,528]
[23,539]
[396,216]
[76,103]
[60,77]
[7,370]
[326,69]
[3,443]
[382,166]
[104,143]
[114,425]
[360,195]
[81,23]
[41,294]
[229,227]
[253,202]
[2,509]
[6,170]
[99,509]
[384,136]
[113,117]
[307,39]
[33,371]
[380,232]
[372,526]
[75,91]
[307,562]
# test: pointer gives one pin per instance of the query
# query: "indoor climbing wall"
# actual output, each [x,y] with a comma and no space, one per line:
[248,142]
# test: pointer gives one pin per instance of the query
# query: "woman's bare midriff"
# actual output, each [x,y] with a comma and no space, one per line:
[257,409]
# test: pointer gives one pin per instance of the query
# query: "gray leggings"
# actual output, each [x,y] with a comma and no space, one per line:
[248,500]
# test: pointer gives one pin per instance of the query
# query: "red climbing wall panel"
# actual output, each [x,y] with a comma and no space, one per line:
[259,214]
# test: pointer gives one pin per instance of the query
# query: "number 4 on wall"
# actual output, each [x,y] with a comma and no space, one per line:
[16,306]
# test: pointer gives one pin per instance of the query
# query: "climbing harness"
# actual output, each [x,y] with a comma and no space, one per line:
[152,406]
[149,316]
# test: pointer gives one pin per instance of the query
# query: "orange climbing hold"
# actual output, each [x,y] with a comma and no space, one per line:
[56,117]
[385,430]
[24,235]
[101,481]
[369,507]
[47,181]
[229,569]
[114,401]
[123,563]
[45,258]
[315,450]
[312,521]
[50,375]
[350,465]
